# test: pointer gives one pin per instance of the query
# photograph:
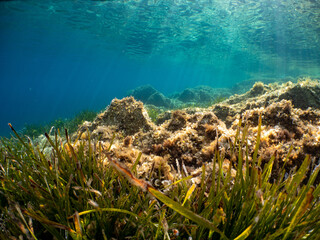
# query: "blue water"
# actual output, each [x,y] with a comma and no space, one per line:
[59,57]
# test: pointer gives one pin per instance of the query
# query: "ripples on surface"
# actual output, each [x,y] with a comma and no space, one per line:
[259,34]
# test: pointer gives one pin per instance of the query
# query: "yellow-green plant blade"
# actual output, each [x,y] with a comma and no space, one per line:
[162,223]
[184,211]
[305,200]
[112,140]
[107,210]
[188,195]
[24,220]
[203,186]
[255,154]
[77,224]
[267,171]
[316,191]
[48,222]
[134,166]
[298,177]
[245,233]
[181,180]
[302,206]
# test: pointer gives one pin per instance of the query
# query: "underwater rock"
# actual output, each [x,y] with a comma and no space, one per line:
[177,121]
[206,125]
[225,112]
[102,132]
[277,114]
[187,96]
[246,85]
[126,115]
[203,95]
[86,126]
[162,117]
[142,93]
[186,139]
[303,95]
[159,100]
[149,95]
[257,89]
[284,127]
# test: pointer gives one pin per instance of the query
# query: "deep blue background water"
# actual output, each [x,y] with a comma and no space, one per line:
[60,57]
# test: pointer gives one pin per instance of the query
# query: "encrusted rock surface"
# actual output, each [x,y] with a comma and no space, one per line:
[188,138]
[203,95]
[127,116]
[142,93]
[159,100]
[304,94]
[149,95]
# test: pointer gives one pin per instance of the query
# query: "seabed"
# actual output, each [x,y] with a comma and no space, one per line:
[245,167]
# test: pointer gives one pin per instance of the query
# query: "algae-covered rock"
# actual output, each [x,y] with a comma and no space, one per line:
[149,95]
[177,121]
[257,89]
[203,95]
[190,137]
[187,96]
[143,93]
[159,100]
[245,86]
[200,95]
[284,127]
[127,114]
[225,113]
[303,95]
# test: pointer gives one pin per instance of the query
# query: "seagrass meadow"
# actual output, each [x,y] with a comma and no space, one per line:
[160,119]
[197,179]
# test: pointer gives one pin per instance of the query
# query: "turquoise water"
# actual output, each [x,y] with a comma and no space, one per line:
[60,57]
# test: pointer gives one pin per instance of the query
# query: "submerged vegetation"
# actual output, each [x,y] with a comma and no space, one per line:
[153,112]
[75,193]
[34,130]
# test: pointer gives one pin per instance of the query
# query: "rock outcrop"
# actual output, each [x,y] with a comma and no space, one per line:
[186,139]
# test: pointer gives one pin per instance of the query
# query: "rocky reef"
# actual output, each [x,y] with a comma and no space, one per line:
[149,95]
[186,139]
[198,96]
[304,94]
